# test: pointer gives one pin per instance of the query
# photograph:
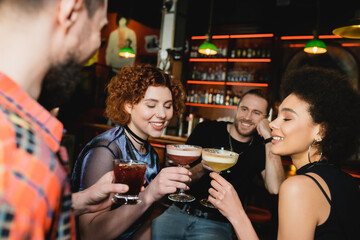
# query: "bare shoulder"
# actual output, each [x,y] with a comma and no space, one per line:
[297,186]
[297,211]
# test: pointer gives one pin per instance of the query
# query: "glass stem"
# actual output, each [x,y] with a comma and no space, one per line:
[181,191]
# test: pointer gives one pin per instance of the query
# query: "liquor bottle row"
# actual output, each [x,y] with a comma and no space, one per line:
[214,96]
[250,53]
[246,74]
[222,52]
[208,73]
[236,74]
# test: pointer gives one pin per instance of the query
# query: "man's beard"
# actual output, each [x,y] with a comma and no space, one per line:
[248,134]
[59,83]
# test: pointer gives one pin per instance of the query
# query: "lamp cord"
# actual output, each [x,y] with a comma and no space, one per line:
[210,17]
[316,31]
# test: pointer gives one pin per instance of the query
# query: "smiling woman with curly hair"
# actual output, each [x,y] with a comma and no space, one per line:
[318,127]
[130,85]
[142,100]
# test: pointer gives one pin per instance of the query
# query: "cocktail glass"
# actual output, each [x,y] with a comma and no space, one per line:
[219,160]
[132,173]
[183,155]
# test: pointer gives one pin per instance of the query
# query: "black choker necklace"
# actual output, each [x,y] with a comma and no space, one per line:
[135,137]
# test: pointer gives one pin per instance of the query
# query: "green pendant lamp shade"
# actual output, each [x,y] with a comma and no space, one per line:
[315,46]
[127,52]
[207,48]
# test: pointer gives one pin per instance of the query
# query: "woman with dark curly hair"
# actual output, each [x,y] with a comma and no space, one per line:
[141,102]
[318,127]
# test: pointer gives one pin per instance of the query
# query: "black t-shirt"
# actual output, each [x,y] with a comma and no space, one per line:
[213,134]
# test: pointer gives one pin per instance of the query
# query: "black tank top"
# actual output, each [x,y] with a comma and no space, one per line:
[344,219]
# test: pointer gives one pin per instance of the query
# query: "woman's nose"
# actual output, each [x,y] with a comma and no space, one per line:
[273,124]
[160,112]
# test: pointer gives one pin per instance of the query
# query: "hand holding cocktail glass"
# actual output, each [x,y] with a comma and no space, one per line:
[219,160]
[223,196]
[183,155]
[130,172]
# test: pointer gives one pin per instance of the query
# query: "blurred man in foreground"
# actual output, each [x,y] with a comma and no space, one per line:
[43,44]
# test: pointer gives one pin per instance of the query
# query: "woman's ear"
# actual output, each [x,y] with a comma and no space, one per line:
[320,133]
[128,107]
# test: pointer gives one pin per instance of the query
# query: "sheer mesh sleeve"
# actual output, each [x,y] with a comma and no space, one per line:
[97,162]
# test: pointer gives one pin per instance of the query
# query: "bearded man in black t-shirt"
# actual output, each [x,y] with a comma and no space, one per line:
[250,136]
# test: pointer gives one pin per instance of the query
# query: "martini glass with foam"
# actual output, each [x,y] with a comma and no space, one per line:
[183,155]
[219,160]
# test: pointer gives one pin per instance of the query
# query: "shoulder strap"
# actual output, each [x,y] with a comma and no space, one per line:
[321,188]
[335,211]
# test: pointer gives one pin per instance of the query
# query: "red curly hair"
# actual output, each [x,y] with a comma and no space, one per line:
[130,85]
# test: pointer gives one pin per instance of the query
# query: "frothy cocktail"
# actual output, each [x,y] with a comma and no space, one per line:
[183,154]
[219,159]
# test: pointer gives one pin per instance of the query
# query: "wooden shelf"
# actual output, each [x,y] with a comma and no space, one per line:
[204,82]
[228,65]
[262,35]
[210,105]
[208,60]
[250,60]
[249,84]
[243,60]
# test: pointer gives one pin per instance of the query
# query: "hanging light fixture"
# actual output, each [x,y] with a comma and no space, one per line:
[207,47]
[351,29]
[316,46]
[127,51]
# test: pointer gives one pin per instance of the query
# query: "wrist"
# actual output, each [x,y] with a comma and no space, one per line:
[146,198]
[77,203]
[237,216]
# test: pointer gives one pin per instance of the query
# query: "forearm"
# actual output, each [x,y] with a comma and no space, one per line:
[112,223]
[79,203]
[274,171]
[242,225]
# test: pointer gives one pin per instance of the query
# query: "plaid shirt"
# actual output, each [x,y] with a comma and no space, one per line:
[35,198]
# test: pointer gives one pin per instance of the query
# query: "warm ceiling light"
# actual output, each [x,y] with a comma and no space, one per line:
[350,30]
[127,51]
[207,47]
[315,46]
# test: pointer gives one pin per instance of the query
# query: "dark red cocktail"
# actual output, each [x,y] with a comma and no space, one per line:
[130,172]
[182,160]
